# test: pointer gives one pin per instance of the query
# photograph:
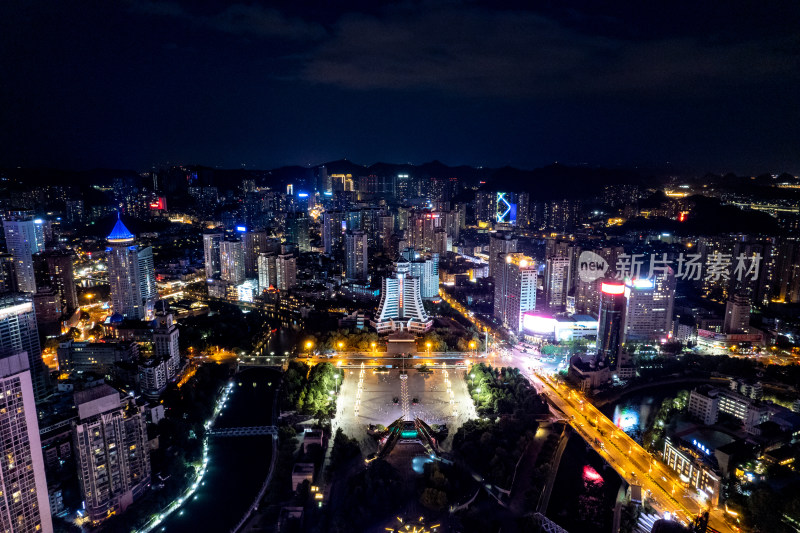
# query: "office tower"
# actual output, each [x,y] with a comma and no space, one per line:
[8,276]
[648,312]
[297,231]
[54,269]
[401,306]
[424,268]
[267,271]
[21,243]
[514,289]
[165,343]
[356,257]
[609,322]
[523,200]
[110,442]
[24,501]
[18,334]
[286,272]
[737,315]
[557,276]
[333,226]
[255,242]
[124,273]
[500,242]
[323,180]
[231,260]
[211,242]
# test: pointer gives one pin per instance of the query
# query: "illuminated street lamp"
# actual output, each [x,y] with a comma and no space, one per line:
[472,346]
[374,348]
[309,345]
[429,348]
[340,345]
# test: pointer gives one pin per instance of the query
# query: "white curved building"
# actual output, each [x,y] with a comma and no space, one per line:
[401,304]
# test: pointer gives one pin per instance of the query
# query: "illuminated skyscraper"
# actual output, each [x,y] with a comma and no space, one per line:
[610,321]
[557,277]
[286,272]
[514,289]
[211,243]
[125,273]
[648,310]
[22,243]
[19,334]
[267,271]
[231,259]
[356,256]
[500,242]
[24,502]
[110,439]
[737,315]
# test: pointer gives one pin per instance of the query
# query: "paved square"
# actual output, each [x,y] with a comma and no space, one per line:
[377,406]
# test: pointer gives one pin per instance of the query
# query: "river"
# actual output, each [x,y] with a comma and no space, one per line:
[586,486]
[237,466]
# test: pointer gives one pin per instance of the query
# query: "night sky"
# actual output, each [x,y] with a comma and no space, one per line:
[706,86]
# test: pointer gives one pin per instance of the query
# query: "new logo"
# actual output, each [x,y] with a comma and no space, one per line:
[591,267]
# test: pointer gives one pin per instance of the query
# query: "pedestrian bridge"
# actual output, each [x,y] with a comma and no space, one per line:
[250,431]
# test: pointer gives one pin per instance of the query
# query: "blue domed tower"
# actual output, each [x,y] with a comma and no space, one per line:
[125,273]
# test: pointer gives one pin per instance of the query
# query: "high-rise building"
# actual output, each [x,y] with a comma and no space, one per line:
[8,275]
[165,343]
[500,242]
[231,260]
[610,322]
[147,277]
[514,289]
[55,269]
[125,273]
[255,242]
[74,211]
[22,243]
[19,334]
[426,268]
[333,224]
[386,232]
[286,272]
[24,501]
[110,440]
[356,256]
[211,243]
[401,308]
[297,230]
[267,271]
[648,311]
[737,315]
[557,278]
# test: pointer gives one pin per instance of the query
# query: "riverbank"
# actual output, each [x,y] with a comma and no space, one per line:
[236,466]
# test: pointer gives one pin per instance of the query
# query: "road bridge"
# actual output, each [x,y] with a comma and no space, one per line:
[667,492]
[250,431]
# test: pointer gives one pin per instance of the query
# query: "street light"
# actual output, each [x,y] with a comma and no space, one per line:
[374,348]
[309,345]
[472,346]
[429,348]
[341,345]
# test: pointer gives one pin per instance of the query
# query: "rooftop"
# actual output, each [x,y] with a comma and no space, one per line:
[120,233]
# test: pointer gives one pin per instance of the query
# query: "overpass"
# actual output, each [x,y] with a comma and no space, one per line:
[249,431]
[667,492]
